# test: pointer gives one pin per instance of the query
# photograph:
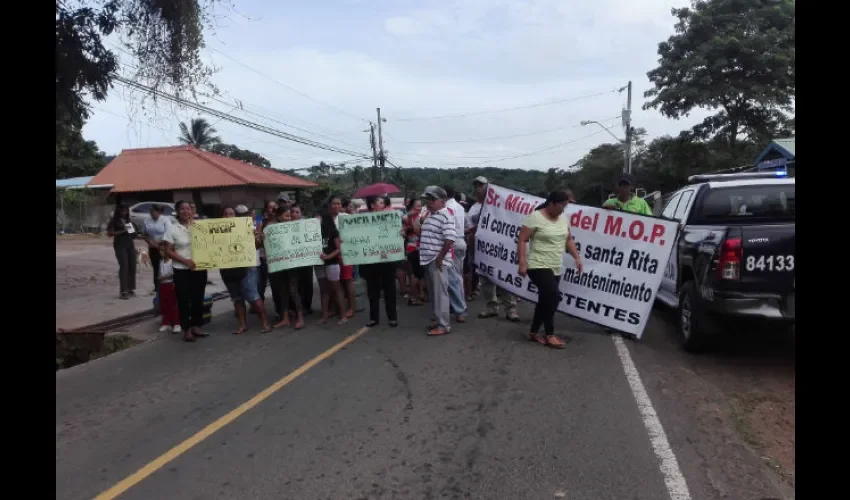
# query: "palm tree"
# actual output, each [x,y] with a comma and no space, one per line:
[202,134]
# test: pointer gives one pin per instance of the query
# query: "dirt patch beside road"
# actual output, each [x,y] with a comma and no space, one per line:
[735,406]
[87,282]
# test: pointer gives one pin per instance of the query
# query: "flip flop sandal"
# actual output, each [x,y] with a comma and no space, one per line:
[560,344]
[201,334]
[188,339]
[487,314]
[436,332]
[513,318]
[240,331]
[266,330]
[536,337]
[371,324]
[460,319]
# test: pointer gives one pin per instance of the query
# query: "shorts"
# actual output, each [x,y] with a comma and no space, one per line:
[346,273]
[328,272]
[246,288]
[415,267]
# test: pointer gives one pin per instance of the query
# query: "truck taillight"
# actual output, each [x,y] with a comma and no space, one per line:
[731,255]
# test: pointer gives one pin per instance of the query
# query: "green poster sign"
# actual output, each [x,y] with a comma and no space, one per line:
[293,244]
[371,237]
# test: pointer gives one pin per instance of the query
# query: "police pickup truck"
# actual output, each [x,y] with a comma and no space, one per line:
[733,263]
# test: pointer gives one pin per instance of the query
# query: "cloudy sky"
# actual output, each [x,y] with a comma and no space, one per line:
[461,83]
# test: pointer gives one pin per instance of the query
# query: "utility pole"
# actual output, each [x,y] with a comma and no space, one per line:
[382,157]
[375,174]
[627,124]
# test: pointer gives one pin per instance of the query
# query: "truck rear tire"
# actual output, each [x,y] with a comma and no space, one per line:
[691,319]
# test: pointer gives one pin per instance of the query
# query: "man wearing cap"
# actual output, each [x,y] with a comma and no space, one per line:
[488,288]
[625,200]
[437,236]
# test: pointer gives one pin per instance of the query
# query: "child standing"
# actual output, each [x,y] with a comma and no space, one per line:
[167,295]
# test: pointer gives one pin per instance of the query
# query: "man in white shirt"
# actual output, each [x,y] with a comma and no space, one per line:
[489,289]
[457,299]
[436,238]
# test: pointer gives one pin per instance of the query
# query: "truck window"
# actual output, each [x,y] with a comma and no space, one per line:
[670,207]
[684,202]
[774,202]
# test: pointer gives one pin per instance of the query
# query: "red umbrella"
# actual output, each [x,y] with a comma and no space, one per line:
[377,190]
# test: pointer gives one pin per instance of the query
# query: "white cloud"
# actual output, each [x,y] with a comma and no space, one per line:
[442,57]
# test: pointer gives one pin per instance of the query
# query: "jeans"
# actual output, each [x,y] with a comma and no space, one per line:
[190,286]
[438,294]
[126,255]
[548,298]
[457,300]
[380,278]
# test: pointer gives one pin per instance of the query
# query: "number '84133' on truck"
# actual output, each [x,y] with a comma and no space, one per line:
[734,263]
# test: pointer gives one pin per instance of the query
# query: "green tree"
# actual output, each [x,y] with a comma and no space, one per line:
[356,176]
[163,36]
[77,157]
[233,151]
[199,133]
[736,57]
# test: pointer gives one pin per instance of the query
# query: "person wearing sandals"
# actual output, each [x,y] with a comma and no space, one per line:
[380,277]
[457,298]
[241,284]
[436,239]
[411,246]
[121,231]
[285,285]
[328,273]
[189,283]
[548,231]
[489,290]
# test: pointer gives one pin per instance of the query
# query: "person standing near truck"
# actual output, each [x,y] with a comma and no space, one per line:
[626,200]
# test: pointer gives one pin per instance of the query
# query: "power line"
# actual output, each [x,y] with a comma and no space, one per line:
[486,139]
[236,120]
[290,88]
[490,111]
[531,153]
[274,158]
[242,105]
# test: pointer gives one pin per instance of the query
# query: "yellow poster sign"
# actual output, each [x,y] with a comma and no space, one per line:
[223,243]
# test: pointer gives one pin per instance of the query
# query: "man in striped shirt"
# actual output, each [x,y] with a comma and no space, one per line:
[436,240]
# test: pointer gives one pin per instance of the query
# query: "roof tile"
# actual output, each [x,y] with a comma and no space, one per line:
[186,167]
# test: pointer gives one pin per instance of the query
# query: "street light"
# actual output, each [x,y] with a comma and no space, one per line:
[626,152]
[585,123]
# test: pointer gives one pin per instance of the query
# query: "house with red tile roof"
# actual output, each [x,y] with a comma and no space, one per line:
[188,173]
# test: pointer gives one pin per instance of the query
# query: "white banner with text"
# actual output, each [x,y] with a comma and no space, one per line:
[624,257]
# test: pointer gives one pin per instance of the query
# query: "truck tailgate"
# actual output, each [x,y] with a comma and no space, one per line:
[769,260]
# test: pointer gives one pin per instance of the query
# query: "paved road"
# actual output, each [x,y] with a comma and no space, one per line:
[478,414]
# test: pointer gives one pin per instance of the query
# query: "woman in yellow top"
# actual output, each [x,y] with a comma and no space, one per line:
[549,233]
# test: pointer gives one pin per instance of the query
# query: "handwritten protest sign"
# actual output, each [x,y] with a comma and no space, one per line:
[371,237]
[624,257]
[293,244]
[223,243]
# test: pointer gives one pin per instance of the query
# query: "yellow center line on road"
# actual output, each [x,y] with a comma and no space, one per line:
[209,430]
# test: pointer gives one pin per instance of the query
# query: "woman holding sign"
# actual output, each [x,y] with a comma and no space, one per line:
[549,234]
[189,283]
[241,283]
[122,232]
[380,277]
[285,285]
[328,274]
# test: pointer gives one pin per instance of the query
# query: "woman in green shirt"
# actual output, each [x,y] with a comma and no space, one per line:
[549,233]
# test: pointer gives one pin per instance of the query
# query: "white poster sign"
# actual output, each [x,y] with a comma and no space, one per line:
[624,257]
